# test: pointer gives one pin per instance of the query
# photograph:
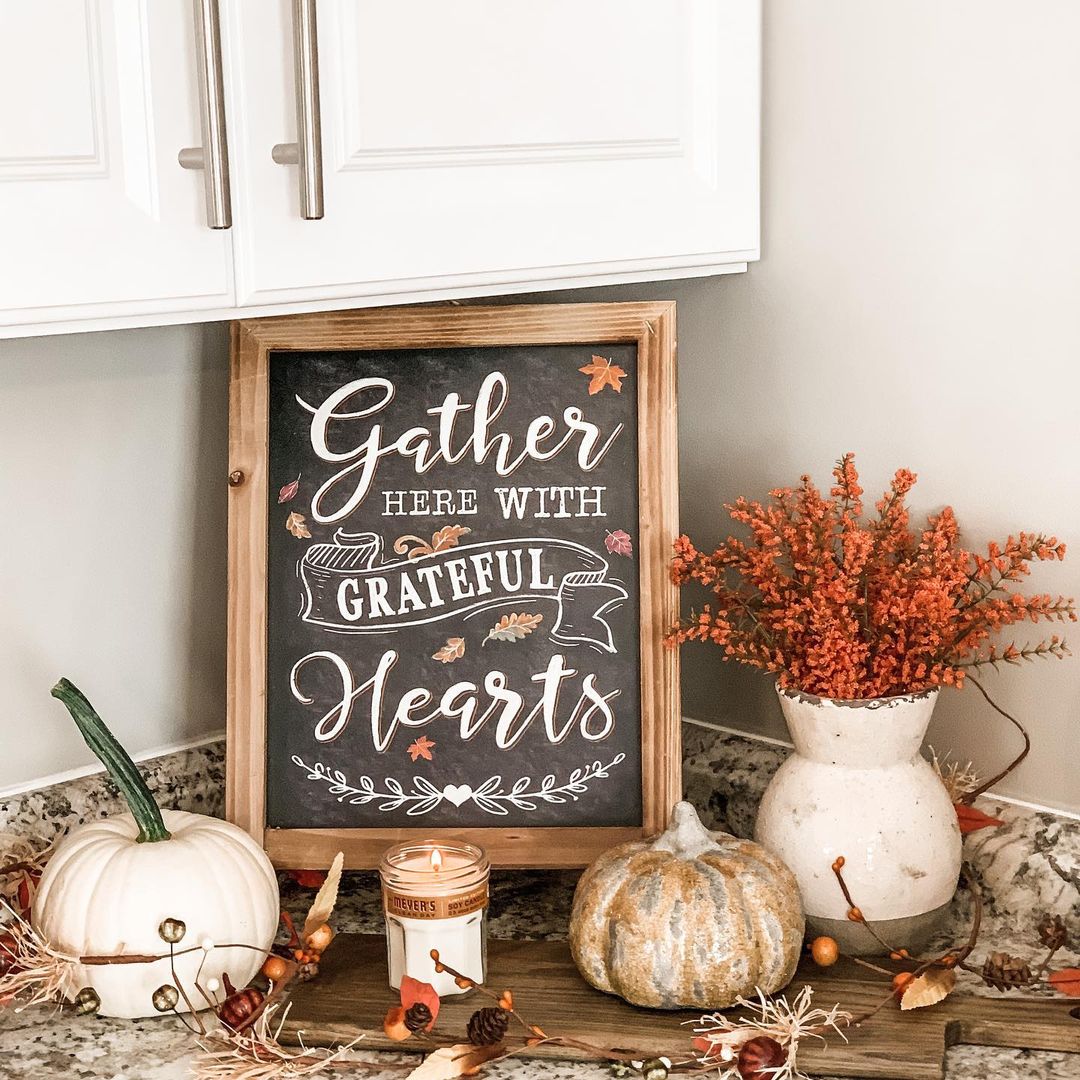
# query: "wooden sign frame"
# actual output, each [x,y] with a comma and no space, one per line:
[651,327]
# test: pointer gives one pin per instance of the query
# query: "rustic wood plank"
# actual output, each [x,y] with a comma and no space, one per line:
[351,996]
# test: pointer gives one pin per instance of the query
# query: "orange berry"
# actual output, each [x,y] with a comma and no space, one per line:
[839,863]
[274,968]
[901,980]
[320,938]
[855,915]
[825,951]
[948,961]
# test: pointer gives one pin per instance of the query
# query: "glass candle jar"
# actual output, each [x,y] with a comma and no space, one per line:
[435,896]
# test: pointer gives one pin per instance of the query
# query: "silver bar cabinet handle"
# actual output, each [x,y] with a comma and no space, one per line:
[306,152]
[213,156]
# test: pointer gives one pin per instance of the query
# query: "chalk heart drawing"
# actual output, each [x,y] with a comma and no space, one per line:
[492,796]
[348,589]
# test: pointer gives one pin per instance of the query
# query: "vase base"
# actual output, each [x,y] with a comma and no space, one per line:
[912,932]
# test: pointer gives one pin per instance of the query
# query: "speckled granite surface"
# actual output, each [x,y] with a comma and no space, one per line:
[1030,865]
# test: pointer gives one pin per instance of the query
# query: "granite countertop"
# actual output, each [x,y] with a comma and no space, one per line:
[1029,865]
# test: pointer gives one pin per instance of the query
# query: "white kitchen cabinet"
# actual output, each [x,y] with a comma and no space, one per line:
[98,221]
[466,148]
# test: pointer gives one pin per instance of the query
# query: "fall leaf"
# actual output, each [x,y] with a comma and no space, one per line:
[971,820]
[1066,981]
[441,539]
[513,627]
[413,990]
[296,524]
[454,649]
[928,988]
[307,879]
[289,491]
[461,1059]
[604,373]
[322,907]
[421,748]
[619,543]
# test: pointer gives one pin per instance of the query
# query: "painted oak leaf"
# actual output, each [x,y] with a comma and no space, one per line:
[603,373]
[288,492]
[461,1059]
[297,525]
[441,539]
[971,820]
[454,649]
[619,543]
[421,748]
[928,988]
[1066,981]
[513,627]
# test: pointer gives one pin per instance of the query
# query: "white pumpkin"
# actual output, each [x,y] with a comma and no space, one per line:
[110,884]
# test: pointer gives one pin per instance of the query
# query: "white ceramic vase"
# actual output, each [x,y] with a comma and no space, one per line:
[858,787]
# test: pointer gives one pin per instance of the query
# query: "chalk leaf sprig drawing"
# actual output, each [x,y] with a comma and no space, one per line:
[297,525]
[454,649]
[441,539]
[513,627]
[492,796]
[603,373]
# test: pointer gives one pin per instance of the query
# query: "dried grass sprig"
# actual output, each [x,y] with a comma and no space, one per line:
[32,971]
[721,1037]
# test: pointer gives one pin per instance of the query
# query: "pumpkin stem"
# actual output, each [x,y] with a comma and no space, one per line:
[116,760]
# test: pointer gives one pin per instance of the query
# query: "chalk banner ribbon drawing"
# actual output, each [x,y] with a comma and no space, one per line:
[349,590]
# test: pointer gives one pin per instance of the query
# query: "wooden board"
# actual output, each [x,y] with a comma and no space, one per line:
[341,610]
[351,996]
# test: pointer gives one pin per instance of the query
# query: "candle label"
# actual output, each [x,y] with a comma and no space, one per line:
[409,905]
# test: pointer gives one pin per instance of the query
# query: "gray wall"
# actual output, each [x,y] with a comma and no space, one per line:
[916,303]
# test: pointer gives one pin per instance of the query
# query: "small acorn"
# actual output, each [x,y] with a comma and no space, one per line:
[172,931]
[165,997]
[239,1005]
[87,1001]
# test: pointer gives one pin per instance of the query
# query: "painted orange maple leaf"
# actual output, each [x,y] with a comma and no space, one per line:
[421,748]
[604,373]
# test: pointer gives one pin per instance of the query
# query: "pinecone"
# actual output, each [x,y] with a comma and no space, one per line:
[1052,932]
[1003,972]
[417,1016]
[487,1026]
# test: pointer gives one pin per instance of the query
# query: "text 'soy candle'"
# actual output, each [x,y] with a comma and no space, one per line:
[435,896]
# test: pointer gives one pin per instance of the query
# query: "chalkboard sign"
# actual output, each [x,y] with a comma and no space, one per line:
[449,536]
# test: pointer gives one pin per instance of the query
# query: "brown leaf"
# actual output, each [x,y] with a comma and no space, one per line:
[454,649]
[461,1059]
[297,525]
[513,627]
[447,537]
[322,907]
[604,373]
[289,491]
[928,988]
[1066,981]
[971,820]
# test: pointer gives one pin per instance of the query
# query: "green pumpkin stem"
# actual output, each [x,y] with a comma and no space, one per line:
[116,760]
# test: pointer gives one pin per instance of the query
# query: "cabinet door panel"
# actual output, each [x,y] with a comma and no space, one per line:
[96,99]
[489,142]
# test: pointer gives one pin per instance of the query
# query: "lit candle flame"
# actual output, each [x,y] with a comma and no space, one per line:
[436,860]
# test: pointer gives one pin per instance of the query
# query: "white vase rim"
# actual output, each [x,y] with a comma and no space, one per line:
[856,703]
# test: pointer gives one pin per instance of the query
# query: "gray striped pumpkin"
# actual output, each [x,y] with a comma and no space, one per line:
[687,919]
